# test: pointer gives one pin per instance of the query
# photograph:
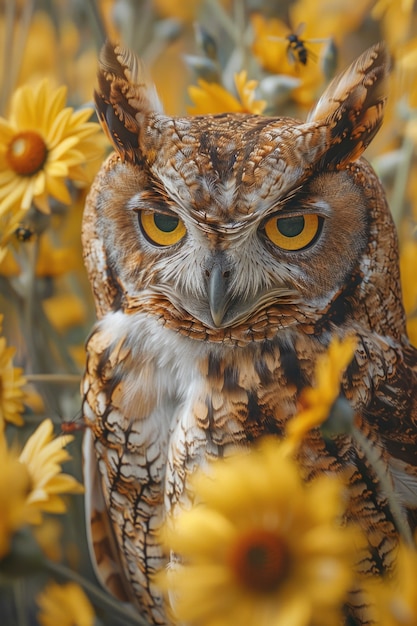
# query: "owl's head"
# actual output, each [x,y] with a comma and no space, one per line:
[232,224]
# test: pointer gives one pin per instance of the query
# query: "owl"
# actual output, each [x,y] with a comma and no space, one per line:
[224,252]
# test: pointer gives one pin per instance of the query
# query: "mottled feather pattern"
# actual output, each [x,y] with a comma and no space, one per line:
[174,379]
[124,99]
[352,107]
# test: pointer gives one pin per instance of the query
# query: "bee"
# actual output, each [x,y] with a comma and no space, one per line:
[297,48]
[22,233]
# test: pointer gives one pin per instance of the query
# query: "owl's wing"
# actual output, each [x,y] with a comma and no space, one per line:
[103,551]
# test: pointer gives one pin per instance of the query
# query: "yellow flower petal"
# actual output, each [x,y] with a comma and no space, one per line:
[253,559]
[66,605]
[43,455]
[41,112]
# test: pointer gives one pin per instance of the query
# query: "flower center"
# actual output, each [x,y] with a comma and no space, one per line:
[26,153]
[259,560]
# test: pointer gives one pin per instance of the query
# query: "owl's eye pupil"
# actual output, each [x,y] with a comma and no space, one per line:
[166,223]
[290,226]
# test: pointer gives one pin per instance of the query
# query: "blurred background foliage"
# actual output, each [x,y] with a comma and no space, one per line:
[204,56]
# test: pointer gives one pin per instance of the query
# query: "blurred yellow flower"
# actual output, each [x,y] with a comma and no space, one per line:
[66,605]
[394,599]
[261,547]
[14,487]
[42,455]
[396,20]
[408,264]
[317,401]
[214,98]
[405,83]
[11,383]
[183,11]
[9,223]
[51,262]
[42,146]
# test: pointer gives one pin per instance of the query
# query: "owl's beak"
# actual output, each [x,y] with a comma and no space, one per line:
[218,291]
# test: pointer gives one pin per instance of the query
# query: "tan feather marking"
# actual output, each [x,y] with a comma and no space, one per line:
[352,106]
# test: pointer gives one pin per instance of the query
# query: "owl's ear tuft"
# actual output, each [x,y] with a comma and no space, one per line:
[352,106]
[125,99]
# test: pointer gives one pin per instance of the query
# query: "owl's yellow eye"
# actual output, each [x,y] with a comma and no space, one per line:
[293,232]
[162,229]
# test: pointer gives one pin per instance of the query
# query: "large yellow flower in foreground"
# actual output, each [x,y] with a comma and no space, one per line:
[262,547]
[43,144]
[11,383]
[214,98]
[317,402]
[42,455]
[64,605]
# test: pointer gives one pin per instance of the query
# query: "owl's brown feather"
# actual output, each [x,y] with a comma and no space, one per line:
[170,386]
[124,99]
[352,106]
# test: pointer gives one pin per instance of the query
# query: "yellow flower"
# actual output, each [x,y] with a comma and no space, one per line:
[395,598]
[408,263]
[66,605]
[213,98]
[405,80]
[183,11]
[11,383]
[261,547]
[42,455]
[317,401]
[42,145]
[396,20]
[14,487]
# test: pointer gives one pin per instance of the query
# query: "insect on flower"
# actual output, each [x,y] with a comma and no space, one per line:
[297,50]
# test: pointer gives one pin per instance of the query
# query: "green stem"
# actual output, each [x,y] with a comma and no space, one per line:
[118,609]
[385,483]
[225,20]
[53,378]
[19,601]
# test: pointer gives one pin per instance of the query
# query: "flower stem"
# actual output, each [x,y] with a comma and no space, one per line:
[53,378]
[19,600]
[99,597]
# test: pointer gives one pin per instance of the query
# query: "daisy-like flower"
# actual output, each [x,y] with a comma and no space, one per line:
[261,547]
[14,488]
[214,98]
[317,401]
[66,605]
[42,455]
[43,144]
[11,383]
